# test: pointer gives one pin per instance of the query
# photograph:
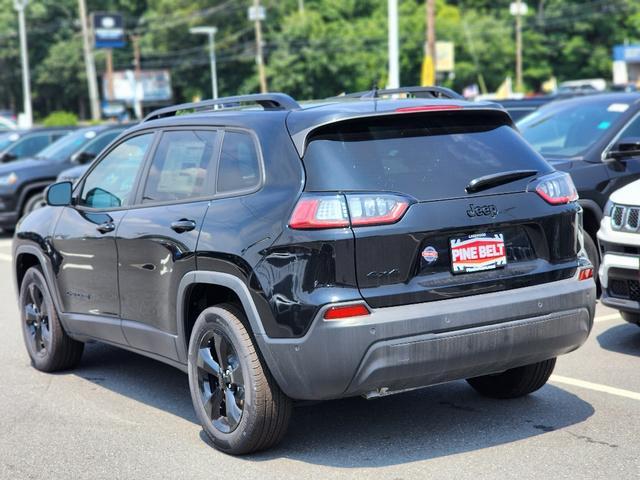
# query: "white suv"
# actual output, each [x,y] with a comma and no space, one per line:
[619,239]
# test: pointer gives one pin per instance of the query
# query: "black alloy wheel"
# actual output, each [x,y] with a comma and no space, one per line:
[220,381]
[36,318]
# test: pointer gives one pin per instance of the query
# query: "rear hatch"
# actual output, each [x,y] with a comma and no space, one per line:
[451,240]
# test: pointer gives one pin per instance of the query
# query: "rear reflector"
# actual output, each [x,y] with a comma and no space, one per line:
[316,211]
[585,273]
[428,108]
[557,188]
[346,311]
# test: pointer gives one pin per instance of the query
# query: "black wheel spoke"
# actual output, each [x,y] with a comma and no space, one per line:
[38,337]
[233,411]
[236,374]
[222,350]
[206,362]
[212,403]
[33,294]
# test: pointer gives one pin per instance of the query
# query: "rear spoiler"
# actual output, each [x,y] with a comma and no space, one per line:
[300,138]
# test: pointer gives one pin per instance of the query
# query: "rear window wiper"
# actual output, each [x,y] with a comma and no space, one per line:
[495,179]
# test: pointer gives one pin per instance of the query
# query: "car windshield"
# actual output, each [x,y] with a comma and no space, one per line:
[67,145]
[568,129]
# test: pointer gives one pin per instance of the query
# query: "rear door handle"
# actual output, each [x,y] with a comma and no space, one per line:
[183,225]
[106,227]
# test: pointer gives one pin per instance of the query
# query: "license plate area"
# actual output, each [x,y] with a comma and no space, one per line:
[476,253]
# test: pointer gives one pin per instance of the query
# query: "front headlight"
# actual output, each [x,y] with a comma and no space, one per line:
[10,179]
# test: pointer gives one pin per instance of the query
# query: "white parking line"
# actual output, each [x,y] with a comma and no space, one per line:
[5,257]
[606,318]
[597,387]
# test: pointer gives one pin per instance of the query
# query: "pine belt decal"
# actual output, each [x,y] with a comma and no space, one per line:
[478,252]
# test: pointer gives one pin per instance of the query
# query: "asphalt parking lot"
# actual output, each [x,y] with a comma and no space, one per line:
[121,415]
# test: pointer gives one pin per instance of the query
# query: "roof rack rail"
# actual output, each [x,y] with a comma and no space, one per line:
[431,92]
[268,101]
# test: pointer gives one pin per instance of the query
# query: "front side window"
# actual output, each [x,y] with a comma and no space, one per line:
[111,183]
[239,168]
[181,166]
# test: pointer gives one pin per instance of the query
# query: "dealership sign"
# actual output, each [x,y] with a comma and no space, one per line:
[108,30]
[149,86]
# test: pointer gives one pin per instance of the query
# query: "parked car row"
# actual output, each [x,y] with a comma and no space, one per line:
[23,180]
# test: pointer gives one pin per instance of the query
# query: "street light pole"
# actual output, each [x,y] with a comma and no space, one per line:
[211,32]
[20,5]
[394,68]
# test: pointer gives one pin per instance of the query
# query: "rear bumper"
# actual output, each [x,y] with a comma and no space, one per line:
[417,345]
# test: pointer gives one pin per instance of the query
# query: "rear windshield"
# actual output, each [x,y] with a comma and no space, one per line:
[428,156]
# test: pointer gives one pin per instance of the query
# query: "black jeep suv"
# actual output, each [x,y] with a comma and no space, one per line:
[355,246]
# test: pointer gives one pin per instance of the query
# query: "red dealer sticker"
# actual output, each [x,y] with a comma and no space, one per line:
[473,253]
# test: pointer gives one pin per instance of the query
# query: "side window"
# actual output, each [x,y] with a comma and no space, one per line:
[239,167]
[96,146]
[30,145]
[631,130]
[111,183]
[57,136]
[180,166]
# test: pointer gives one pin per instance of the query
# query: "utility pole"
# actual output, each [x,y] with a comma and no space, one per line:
[137,101]
[301,6]
[211,32]
[431,34]
[109,73]
[518,9]
[394,68]
[89,63]
[19,6]
[257,14]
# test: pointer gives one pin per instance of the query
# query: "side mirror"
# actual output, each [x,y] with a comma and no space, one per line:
[59,194]
[7,157]
[81,158]
[625,148]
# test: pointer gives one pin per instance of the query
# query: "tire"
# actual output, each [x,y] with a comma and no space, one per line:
[593,254]
[34,202]
[516,382]
[48,345]
[631,317]
[245,409]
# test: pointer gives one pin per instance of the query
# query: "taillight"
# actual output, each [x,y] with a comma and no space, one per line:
[345,311]
[316,211]
[557,188]
[320,211]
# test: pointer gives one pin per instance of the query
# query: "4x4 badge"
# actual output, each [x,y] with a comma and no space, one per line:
[480,210]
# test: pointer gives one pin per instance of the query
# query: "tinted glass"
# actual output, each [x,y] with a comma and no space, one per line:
[68,145]
[101,141]
[631,130]
[567,129]
[180,166]
[428,156]
[7,138]
[30,145]
[111,183]
[239,167]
